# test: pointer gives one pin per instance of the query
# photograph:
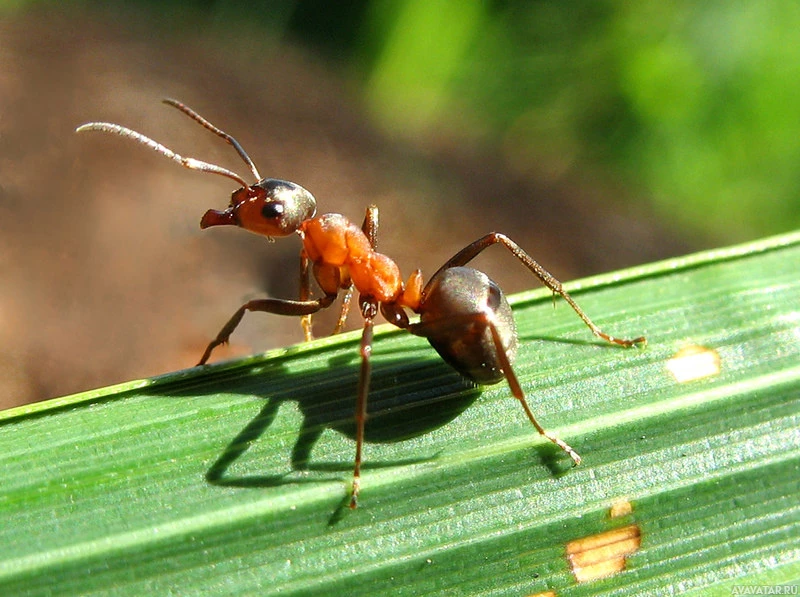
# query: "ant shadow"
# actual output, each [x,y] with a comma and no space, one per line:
[398,408]
[402,404]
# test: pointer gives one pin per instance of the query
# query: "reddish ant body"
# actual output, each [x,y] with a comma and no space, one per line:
[462,313]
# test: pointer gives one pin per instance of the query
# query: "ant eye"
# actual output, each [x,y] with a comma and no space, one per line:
[272,210]
[494,297]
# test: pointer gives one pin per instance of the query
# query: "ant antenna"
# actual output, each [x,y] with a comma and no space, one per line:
[219,132]
[190,163]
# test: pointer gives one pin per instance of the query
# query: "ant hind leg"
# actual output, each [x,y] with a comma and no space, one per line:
[472,250]
[516,390]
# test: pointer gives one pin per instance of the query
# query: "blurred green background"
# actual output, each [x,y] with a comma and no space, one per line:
[693,107]
[597,134]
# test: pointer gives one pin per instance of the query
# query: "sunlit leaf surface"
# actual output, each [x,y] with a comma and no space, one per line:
[184,484]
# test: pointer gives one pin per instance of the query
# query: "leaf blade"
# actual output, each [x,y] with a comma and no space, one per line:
[117,481]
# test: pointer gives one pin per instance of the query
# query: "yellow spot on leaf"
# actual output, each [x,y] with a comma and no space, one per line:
[694,362]
[599,556]
[620,509]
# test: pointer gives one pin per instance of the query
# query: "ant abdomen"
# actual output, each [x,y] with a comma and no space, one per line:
[464,315]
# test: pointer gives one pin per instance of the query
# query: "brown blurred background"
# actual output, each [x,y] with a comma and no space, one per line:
[105,275]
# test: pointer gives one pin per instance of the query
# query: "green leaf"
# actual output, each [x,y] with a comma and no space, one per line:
[183,484]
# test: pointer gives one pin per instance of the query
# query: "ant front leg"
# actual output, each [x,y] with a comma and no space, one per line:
[472,250]
[305,294]
[274,306]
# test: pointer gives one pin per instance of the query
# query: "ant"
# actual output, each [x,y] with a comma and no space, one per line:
[462,313]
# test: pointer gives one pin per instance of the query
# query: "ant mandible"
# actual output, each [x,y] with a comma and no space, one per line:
[463,314]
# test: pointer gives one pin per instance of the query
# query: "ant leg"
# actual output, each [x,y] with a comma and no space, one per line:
[472,250]
[275,306]
[305,291]
[344,311]
[369,309]
[517,392]
[459,322]
[370,226]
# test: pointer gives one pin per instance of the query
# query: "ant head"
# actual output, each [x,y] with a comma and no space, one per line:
[269,208]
